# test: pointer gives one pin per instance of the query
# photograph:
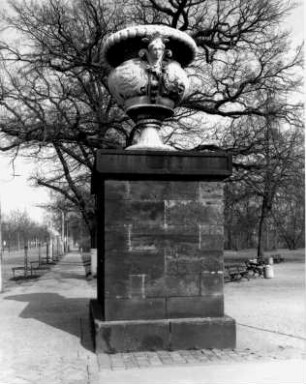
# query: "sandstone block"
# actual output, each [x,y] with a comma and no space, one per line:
[134,309]
[211,283]
[203,333]
[197,306]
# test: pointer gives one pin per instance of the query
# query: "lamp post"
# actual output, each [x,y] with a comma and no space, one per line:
[62,230]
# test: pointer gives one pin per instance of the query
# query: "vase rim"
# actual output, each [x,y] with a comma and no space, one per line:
[115,45]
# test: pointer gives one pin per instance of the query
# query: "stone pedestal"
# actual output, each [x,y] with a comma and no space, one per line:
[160,251]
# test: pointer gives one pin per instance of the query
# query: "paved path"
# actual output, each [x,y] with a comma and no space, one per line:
[45,339]
[44,327]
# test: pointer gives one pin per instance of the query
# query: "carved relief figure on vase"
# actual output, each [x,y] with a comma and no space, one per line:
[155,57]
[156,53]
[166,77]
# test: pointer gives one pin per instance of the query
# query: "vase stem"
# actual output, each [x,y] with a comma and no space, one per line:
[149,138]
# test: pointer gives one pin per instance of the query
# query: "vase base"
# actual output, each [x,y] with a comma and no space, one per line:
[142,147]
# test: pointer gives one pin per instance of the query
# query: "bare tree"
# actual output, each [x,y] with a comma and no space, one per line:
[264,174]
[289,213]
[18,229]
[55,102]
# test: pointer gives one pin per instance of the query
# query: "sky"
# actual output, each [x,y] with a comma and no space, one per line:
[16,192]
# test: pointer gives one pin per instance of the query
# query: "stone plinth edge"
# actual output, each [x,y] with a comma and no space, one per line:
[160,165]
[164,334]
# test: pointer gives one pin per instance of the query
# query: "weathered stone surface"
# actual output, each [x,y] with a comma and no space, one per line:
[168,286]
[115,214]
[211,229]
[133,212]
[183,250]
[180,240]
[142,190]
[137,286]
[134,309]
[146,336]
[156,287]
[147,212]
[134,262]
[163,190]
[116,189]
[143,230]
[211,190]
[129,336]
[116,286]
[195,306]
[185,212]
[188,213]
[183,285]
[211,261]
[203,333]
[162,247]
[211,242]
[164,334]
[116,239]
[110,338]
[146,238]
[181,166]
[211,283]
[181,265]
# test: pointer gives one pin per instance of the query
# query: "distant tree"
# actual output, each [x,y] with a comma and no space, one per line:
[241,211]
[67,218]
[18,230]
[264,180]
[289,211]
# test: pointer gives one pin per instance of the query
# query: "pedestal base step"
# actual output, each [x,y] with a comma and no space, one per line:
[164,334]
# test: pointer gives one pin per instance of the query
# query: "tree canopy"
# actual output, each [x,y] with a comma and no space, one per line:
[56,106]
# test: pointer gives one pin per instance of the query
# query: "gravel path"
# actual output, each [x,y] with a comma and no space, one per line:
[270,313]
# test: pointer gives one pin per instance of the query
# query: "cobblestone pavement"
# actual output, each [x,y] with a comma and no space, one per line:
[123,361]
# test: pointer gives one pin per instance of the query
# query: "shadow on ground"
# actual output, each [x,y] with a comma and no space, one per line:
[70,315]
[68,275]
[23,279]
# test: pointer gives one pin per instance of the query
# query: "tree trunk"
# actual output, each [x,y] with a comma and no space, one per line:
[262,221]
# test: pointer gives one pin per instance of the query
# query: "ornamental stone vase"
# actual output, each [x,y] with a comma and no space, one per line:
[147,76]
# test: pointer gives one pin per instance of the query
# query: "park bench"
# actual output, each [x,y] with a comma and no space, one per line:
[277,258]
[24,269]
[236,272]
[38,266]
[35,266]
[30,270]
[255,267]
